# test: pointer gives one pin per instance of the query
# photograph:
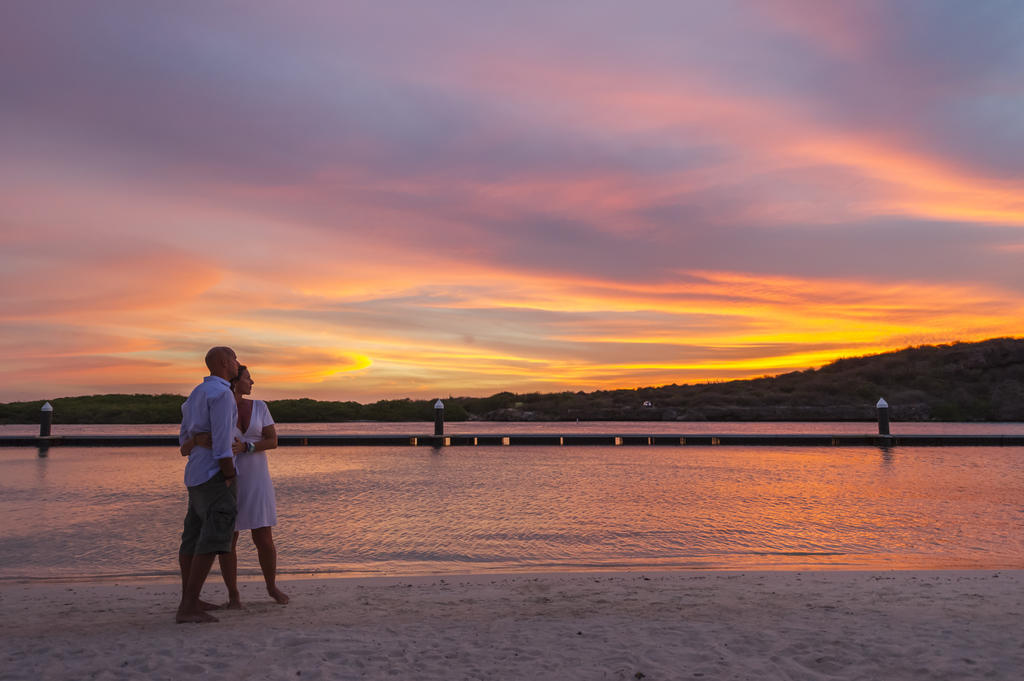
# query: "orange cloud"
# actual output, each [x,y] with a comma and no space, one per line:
[922,187]
[684,108]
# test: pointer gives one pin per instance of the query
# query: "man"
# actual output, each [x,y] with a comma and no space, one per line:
[209,476]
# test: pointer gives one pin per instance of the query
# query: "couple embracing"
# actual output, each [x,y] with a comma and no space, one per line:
[228,481]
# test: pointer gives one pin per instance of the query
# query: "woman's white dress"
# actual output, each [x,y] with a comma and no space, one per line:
[257,506]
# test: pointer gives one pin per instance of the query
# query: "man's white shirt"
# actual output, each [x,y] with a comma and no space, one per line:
[210,409]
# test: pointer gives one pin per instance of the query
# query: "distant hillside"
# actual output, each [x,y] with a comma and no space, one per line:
[981,381]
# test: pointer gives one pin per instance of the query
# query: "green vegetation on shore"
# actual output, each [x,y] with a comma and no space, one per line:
[981,381]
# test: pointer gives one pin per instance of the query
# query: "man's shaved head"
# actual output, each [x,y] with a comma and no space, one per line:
[221,361]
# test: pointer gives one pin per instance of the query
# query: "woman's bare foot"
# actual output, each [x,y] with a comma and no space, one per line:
[199,617]
[204,606]
[278,595]
[234,603]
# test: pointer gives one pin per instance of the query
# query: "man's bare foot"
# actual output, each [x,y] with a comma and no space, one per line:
[203,605]
[234,604]
[278,595]
[199,617]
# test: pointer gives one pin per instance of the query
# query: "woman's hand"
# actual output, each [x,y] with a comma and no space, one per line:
[197,440]
[237,447]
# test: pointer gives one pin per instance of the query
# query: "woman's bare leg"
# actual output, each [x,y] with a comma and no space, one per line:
[229,571]
[263,538]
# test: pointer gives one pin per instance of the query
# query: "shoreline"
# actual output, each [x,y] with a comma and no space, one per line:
[463,571]
[716,624]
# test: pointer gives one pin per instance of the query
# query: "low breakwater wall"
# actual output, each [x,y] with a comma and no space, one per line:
[525,439]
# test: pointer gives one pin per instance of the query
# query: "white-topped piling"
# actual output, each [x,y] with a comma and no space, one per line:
[439,418]
[882,407]
[45,420]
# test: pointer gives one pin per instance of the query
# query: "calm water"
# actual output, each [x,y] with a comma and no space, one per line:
[104,512]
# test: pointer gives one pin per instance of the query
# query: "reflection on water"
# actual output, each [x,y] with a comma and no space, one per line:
[91,511]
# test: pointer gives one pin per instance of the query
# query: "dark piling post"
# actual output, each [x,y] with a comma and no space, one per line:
[883,416]
[45,420]
[439,418]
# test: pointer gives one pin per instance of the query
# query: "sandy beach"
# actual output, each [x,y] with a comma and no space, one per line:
[681,625]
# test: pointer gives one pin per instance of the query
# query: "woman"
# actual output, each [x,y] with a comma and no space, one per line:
[257,506]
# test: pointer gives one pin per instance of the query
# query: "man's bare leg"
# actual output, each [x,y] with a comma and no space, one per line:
[185,564]
[263,538]
[229,571]
[190,609]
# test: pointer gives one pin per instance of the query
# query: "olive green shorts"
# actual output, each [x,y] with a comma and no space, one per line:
[210,521]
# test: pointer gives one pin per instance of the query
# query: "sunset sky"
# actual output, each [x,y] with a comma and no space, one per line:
[374,200]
